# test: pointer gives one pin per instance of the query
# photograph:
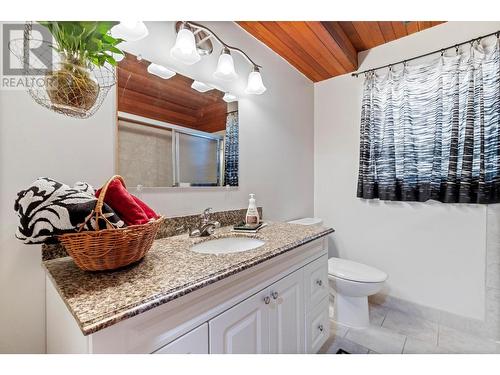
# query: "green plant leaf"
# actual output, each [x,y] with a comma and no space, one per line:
[85,41]
[111,60]
[115,50]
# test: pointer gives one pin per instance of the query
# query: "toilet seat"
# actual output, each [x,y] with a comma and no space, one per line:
[353,271]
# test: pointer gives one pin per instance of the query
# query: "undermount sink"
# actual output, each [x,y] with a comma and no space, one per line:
[227,245]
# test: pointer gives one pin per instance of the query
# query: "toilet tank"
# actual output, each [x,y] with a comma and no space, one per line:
[307,221]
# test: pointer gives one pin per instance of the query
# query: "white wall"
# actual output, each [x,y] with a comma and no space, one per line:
[35,142]
[276,129]
[276,163]
[434,253]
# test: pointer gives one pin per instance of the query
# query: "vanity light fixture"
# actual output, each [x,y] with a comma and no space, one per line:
[225,67]
[201,42]
[184,49]
[160,71]
[130,31]
[201,87]
[255,84]
[228,98]
[118,56]
[217,87]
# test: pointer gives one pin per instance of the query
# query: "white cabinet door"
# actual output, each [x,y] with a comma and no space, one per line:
[243,328]
[315,282]
[287,315]
[317,327]
[193,342]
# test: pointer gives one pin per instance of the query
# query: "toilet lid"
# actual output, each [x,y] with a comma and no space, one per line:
[307,221]
[353,271]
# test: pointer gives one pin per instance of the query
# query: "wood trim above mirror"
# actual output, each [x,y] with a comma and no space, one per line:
[169,100]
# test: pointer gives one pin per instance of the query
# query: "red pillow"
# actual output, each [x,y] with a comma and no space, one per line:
[124,204]
[147,210]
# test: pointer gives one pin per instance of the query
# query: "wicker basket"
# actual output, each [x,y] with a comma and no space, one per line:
[110,248]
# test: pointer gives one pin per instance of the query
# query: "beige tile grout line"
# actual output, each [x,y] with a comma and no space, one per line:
[439,331]
[404,344]
[383,320]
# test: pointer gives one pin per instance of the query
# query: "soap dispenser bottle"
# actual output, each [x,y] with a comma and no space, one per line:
[252,217]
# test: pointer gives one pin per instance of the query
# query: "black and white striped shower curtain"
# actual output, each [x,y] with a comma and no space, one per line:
[433,131]
[231,150]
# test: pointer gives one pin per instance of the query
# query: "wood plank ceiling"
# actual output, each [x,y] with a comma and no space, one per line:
[169,100]
[325,49]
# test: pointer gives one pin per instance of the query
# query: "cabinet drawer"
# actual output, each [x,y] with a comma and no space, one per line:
[316,281]
[317,327]
[193,342]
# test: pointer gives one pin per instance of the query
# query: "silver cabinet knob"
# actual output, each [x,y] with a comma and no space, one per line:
[319,282]
[267,300]
[274,294]
[320,327]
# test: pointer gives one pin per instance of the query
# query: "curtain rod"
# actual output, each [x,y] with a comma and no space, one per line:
[478,39]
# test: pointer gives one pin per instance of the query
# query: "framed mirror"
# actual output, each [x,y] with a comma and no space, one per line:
[173,131]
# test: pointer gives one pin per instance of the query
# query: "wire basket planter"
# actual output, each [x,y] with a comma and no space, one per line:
[67,86]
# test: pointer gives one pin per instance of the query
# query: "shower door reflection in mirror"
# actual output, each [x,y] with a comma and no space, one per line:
[170,134]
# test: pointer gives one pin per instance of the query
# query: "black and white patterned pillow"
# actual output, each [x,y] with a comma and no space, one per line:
[49,208]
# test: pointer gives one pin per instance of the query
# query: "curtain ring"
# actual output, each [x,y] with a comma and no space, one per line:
[442,52]
[456,49]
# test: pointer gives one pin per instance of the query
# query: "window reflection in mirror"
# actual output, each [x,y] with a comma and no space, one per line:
[170,134]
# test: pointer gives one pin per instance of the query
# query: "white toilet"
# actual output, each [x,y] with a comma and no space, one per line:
[352,283]
[307,221]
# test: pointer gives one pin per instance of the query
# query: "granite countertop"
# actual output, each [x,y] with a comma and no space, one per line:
[168,271]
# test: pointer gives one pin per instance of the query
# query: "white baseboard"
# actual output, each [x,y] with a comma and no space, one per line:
[473,326]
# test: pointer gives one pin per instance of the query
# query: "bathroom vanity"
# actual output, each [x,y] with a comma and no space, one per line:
[272,299]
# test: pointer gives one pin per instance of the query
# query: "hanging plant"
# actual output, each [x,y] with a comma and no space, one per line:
[82,61]
[71,86]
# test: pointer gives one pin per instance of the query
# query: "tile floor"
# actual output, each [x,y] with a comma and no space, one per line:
[394,332]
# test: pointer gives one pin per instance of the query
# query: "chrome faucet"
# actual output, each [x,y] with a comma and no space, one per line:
[207,226]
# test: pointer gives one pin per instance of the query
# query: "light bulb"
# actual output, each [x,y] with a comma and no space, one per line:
[201,87]
[160,71]
[217,87]
[118,56]
[255,84]
[225,66]
[228,98]
[130,31]
[184,49]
